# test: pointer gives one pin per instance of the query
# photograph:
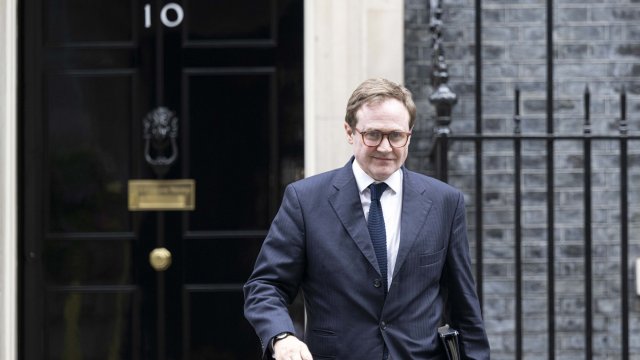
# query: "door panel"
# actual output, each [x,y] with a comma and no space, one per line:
[221,22]
[231,112]
[227,260]
[89,152]
[231,72]
[99,22]
[91,324]
[87,261]
[205,311]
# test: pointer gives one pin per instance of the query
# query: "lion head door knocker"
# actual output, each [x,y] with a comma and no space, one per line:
[160,133]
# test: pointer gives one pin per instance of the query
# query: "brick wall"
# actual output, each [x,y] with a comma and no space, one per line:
[596,43]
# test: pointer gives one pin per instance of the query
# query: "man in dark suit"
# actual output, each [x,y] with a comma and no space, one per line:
[379,252]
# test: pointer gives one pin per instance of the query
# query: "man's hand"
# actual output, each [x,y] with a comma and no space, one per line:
[290,348]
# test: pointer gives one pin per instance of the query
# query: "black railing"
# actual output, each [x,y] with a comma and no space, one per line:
[444,99]
[624,225]
[443,141]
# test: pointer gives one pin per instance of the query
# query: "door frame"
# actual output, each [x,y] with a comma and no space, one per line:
[8,179]
[319,153]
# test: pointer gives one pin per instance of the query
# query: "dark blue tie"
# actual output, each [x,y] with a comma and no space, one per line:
[377,230]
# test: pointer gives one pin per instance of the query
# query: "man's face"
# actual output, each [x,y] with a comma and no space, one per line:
[380,161]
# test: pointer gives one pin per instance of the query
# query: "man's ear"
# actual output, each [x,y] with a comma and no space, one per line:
[349,132]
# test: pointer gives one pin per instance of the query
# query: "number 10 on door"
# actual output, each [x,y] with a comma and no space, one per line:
[176,19]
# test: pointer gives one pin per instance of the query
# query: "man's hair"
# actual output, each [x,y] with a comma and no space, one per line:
[375,91]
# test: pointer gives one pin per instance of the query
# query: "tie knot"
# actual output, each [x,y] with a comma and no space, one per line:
[377,190]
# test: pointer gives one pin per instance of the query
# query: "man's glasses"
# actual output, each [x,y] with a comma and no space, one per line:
[373,138]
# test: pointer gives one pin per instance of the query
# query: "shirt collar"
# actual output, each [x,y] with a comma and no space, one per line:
[364,180]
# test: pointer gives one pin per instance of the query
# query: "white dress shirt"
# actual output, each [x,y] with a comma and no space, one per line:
[391,201]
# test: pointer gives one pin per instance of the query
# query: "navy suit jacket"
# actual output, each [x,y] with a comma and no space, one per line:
[319,242]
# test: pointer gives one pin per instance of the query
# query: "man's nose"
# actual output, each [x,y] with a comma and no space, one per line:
[385,145]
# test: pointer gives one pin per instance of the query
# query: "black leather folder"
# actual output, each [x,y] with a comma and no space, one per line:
[449,338]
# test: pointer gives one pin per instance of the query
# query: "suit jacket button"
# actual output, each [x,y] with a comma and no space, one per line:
[383,325]
[377,283]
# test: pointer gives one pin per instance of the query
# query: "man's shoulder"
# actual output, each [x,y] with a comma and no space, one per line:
[431,184]
[426,179]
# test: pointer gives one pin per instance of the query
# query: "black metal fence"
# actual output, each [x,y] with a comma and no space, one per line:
[444,99]
[441,155]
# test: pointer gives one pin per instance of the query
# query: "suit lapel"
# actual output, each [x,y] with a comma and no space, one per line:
[415,209]
[345,201]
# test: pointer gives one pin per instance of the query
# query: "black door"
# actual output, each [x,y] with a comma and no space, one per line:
[231,73]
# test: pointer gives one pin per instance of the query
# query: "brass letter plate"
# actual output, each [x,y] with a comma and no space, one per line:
[149,195]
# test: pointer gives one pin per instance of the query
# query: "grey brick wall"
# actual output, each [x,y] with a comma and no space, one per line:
[596,43]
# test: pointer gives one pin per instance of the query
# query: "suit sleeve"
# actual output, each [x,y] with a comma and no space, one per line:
[279,269]
[463,307]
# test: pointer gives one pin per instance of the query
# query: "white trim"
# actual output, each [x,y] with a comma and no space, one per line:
[8,182]
[309,93]
[345,42]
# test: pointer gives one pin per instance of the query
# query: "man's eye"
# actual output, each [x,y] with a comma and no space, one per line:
[395,135]
[374,135]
